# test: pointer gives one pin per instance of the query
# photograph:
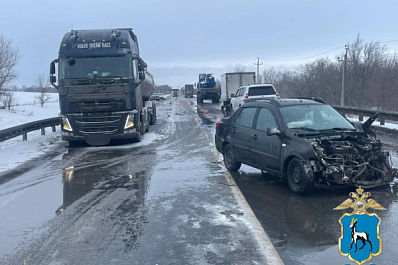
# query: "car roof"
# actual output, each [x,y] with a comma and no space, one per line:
[281,102]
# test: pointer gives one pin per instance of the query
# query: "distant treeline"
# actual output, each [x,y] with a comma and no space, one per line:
[371,77]
[32,89]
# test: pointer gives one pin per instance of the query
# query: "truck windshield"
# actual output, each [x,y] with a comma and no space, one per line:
[83,67]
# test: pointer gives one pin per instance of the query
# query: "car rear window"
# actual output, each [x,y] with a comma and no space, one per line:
[261,90]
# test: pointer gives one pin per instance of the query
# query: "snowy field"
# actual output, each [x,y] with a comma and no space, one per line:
[15,152]
[28,109]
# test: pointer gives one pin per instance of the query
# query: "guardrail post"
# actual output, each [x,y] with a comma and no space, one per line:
[53,127]
[24,137]
[43,131]
[360,117]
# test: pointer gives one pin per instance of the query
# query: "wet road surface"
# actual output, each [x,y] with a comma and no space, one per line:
[165,200]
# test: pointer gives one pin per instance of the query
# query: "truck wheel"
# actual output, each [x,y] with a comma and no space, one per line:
[300,177]
[151,120]
[230,158]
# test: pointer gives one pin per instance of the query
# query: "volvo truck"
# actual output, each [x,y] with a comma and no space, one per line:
[104,87]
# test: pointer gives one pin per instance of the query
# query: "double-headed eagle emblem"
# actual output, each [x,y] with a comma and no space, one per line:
[360,202]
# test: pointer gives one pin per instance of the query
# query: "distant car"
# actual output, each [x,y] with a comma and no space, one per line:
[162,96]
[304,142]
[260,91]
[155,96]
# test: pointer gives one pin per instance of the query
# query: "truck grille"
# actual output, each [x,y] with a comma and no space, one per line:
[98,123]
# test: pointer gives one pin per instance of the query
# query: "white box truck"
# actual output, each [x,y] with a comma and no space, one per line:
[230,83]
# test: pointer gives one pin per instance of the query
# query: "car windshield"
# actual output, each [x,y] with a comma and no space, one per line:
[82,67]
[314,117]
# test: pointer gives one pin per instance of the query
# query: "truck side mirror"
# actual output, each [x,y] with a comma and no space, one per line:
[142,75]
[232,95]
[53,79]
[52,67]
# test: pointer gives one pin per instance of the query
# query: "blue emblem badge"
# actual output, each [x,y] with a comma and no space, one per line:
[360,239]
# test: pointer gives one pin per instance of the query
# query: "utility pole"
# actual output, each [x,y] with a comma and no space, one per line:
[258,69]
[342,99]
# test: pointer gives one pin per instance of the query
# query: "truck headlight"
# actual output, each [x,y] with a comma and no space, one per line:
[65,124]
[129,121]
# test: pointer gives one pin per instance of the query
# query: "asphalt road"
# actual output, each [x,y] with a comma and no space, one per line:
[169,200]
[165,200]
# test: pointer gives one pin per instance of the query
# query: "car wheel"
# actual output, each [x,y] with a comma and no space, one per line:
[230,158]
[300,176]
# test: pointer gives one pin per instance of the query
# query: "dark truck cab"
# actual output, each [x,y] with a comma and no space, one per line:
[104,87]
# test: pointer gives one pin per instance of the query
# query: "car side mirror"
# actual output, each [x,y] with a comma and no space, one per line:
[232,95]
[273,131]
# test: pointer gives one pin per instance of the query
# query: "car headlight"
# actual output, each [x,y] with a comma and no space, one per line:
[65,124]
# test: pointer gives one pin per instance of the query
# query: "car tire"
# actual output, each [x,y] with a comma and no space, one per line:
[300,176]
[230,158]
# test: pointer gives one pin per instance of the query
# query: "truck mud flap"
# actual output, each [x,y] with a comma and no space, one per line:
[98,139]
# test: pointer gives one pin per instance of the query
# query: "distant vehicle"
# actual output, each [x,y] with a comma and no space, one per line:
[155,96]
[162,96]
[104,87]
[230,83]
[188,91]
[206,89]
[175,92]
[260,91]
[303,142]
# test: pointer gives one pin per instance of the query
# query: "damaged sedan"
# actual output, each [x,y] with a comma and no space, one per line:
[303,141]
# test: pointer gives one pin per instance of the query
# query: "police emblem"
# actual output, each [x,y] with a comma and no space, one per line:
[360,239]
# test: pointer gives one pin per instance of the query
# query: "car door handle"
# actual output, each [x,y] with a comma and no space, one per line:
[254,136]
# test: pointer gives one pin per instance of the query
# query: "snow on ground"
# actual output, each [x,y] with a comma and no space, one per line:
[28,109]
[15,152]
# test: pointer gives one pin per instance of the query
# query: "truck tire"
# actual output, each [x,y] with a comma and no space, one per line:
[200,98]
[300,176]
[151,119]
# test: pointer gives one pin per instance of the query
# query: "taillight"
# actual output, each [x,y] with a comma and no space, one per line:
[277,95]
[218,123]
[246,97]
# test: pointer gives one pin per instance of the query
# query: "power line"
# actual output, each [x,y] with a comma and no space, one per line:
[297,59]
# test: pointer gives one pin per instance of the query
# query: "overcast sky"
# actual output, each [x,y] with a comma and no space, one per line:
[180,38]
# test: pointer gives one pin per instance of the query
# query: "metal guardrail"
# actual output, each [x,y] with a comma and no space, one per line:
[383,115]
[23,129]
